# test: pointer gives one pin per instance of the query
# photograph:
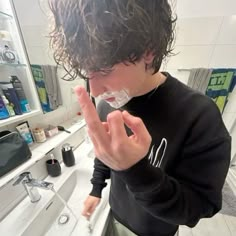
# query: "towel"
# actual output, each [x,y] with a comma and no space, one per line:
[229,201]
[199,78]
[219,86]
[47,83]
[41,88]
[52,85]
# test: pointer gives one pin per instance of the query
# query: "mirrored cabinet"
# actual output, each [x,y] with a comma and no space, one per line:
[18,95]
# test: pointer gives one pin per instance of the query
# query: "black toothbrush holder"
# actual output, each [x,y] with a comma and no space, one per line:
[53,167]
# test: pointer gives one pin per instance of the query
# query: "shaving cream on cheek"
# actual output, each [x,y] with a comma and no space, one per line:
[116,99]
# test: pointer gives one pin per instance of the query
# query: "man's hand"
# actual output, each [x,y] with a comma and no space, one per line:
[111,143]
[90,205]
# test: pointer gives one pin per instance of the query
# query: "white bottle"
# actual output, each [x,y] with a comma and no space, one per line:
[8,106]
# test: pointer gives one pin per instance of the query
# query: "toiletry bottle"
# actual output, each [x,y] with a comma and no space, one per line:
[10,93]
[24,131]
[20,93]
[8,106]
[3,111]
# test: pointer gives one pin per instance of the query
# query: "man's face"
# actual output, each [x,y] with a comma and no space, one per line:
[128,77]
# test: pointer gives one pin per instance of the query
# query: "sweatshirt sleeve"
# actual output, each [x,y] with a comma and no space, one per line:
[194,190]
[101,171]
[100,174]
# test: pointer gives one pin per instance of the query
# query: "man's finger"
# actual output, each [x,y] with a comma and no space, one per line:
[116,125]
[89,111]
[91,117]
[105,125]
[95,144]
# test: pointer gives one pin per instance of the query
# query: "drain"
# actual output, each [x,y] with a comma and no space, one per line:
[63,219]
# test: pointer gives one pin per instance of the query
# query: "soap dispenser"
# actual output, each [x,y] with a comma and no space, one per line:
[68,155]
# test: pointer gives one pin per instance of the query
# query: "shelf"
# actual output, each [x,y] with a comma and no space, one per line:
[12,65]
[54,141]
[40,151]
[5,16]
[17,118]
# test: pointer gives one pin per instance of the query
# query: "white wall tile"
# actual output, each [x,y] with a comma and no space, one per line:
[223,56]
[228,31]
[202,8]
[33,35]
[190,57]
[180,75]
[29,12]
[233,145]
[198,31]
[36,55]
[228,119]
[73,109]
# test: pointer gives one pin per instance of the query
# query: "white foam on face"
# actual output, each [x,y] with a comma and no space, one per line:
[120,98]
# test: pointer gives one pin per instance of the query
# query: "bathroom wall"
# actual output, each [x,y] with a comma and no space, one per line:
[34,26]
[206,37]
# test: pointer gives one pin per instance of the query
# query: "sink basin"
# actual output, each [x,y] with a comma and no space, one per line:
[49,216]
[56,219]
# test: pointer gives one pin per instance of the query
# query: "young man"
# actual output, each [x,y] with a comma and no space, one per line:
[163,145]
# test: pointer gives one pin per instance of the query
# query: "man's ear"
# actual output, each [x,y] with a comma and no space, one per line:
[148,57]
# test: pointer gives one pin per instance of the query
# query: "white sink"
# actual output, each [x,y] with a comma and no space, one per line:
[74,191]
[41,218]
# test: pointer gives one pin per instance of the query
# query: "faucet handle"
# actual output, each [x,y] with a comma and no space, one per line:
[22,176]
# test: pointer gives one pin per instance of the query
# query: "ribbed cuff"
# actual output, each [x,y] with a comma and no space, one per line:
[142,176]
[96,191]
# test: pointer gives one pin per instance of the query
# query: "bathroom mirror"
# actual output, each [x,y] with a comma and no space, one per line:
[33,21]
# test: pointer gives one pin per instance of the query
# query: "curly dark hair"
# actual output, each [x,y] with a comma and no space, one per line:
[94,35]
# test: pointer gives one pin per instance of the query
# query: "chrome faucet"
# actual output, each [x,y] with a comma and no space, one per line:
[31,185]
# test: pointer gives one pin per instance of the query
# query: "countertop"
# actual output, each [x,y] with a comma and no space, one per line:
[24,214]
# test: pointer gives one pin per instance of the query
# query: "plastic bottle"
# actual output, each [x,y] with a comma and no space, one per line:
[3,110]
[20,94]
[8,106]
[24,131]
[10,93]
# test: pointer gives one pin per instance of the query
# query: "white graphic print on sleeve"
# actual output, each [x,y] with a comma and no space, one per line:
[153,159]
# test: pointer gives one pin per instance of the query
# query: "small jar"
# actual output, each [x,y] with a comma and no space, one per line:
[39,135]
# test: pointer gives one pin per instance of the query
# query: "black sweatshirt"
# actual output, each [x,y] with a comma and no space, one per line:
[181,179]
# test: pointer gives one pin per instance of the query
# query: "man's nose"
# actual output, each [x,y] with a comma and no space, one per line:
[96,87]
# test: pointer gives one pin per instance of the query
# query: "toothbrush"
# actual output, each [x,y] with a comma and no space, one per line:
[52,158]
